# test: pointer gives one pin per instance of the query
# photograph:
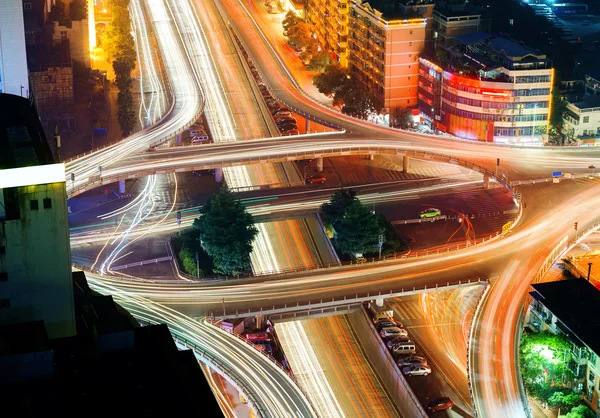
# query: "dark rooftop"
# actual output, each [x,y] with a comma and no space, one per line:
[22,139]
[575,302]
[119,370]
[502,44]
[588,102]
[396,9]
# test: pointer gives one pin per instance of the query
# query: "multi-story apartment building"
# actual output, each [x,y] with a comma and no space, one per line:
[35,255]
[569,307]
[330,25]
[582,120]
[13,57]
[384,47]
[449,24]
[492,88]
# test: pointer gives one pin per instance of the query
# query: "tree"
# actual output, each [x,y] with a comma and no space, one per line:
[404,118]
[358,101]
[564,401]
[358,231]
[291,19]
[188,262]
[125,113]
[123,68]
[319,60]
[331,79]
[580,411]
[334,210]
[559,106]
[226,232]
[299,36]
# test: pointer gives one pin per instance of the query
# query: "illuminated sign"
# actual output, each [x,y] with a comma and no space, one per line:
[494,93]
[31,176]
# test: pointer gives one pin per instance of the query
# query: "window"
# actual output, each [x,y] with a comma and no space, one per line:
[47,203]
[26,6]
[411,32]
[34,205]
[63,34]
[410,44]
[586,119]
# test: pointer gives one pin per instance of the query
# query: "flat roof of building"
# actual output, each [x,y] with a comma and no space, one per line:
[588,102]
[501,43]
[22,139]
[575,302]
[391,10]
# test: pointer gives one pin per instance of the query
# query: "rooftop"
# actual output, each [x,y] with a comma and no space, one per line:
[501,44]
[394,9]
[22,139]
[587,102]
[575,302]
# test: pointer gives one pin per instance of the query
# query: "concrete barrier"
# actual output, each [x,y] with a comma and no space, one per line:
[384,365]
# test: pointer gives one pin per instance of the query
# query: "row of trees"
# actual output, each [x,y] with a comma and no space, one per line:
[544,359]
[119,47]
[347,91]
[299,34]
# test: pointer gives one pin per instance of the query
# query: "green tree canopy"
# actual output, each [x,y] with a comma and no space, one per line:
[226,232]
[319,60]
[334,210]
[358,231]
[125,114]
[404,118]
[331,79]
[564,400]
[580,411]
[300,36]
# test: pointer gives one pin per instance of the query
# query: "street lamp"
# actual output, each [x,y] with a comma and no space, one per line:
[593,168]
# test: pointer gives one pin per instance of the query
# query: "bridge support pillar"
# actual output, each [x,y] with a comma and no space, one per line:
[371,157]
[307,125]
[219,175]
[122,186]
[486,181]
[320,164]
[258,321]
[379,302]
[405,164]
[178,139]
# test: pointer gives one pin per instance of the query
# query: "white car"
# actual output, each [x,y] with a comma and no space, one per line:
[391,332]
[416,370]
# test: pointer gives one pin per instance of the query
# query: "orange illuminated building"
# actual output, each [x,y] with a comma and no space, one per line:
[385,41]
[494,89]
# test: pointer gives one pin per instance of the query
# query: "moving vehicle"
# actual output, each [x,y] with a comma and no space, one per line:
[410,360]
[429,213]
[317,178]
[416,370]
[440,404]
[390,332]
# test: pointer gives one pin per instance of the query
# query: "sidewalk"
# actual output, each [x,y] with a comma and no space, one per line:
[537,411]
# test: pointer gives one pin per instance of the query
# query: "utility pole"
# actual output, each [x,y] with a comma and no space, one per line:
[497,165]
[56,144]
[589,271]
[197,266]
[380,244]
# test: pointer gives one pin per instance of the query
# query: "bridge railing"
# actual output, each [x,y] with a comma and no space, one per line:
[330,305]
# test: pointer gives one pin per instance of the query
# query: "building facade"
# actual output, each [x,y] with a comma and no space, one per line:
[13,56]
[492,89]
[330,25]
[384,53]
[35,254]
[448,25]
[568,307]
[582,120]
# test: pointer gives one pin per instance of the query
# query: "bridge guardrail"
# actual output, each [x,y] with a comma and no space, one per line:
[324,304]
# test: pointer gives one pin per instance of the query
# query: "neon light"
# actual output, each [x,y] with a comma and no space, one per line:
[494,93]
[31,176]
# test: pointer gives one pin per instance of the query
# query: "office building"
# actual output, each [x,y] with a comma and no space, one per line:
[449,24]
[13,58]
[490,88]
[384,47]
[35,254]
[569,307]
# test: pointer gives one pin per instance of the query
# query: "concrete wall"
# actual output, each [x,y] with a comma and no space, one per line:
[13,61]
[385,366]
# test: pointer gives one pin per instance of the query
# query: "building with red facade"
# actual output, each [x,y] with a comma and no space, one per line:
[490,88]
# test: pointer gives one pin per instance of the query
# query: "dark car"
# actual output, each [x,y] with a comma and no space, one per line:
[440,404]
[285,121]
[287,127]
[384,324]
[317,178]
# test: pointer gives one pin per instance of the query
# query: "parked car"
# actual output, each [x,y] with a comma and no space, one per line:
[282,112]
[440,404]
[384,324]
[199,139]
[286,127]
[416,370]
[387,319]
[397,340]
[380,317]
[410,360]
[390,332]
[404,348]
[317,178]
[429,213]
[280,120]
